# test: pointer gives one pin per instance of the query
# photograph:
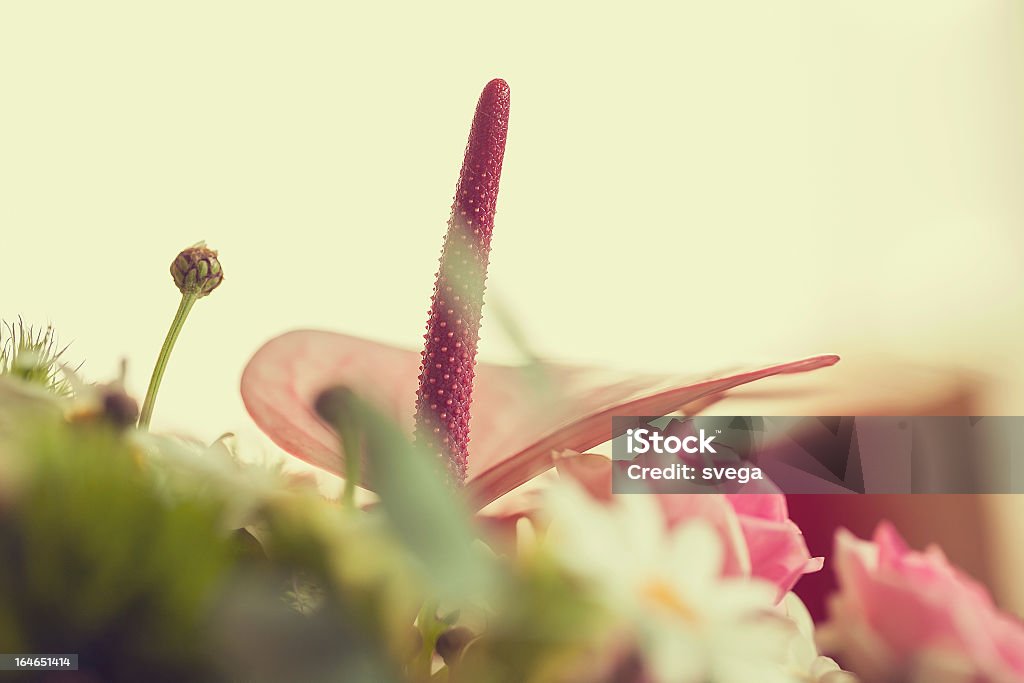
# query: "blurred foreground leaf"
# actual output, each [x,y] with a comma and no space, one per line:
[126,557]
[426,513]
[96,563]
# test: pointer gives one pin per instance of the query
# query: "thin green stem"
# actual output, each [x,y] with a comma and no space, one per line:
[351,446]
[430,629]
[187,301]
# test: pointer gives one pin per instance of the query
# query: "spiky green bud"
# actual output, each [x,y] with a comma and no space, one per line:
[197,270]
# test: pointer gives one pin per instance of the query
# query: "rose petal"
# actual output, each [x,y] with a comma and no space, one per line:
[521,415]
[898,605]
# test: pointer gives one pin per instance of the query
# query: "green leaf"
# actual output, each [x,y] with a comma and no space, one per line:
[425,512]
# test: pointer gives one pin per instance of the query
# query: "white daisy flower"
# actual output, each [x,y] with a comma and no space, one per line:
[666,586]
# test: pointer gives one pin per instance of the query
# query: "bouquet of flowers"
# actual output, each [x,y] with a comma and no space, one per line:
[502,559]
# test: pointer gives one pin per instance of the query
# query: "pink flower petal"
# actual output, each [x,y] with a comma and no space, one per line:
[520,417]
[897,605]
[778,552]
[285,376]
[579,418]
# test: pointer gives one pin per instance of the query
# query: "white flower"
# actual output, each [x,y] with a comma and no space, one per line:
[804,661]
[666,586]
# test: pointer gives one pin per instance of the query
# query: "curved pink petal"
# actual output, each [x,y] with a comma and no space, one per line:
[778,551]
[521,415]
[283,379]
[579,418]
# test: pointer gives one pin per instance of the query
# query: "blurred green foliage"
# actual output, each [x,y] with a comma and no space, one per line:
[414,497]
[96,563]
[123,556]
[543,631]
[158,559]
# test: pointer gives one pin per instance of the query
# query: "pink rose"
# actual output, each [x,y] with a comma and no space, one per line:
[759,537]
[911,616]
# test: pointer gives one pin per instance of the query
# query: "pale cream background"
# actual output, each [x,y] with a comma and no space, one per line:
[810,176]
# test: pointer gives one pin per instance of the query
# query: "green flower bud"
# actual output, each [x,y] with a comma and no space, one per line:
[197,271]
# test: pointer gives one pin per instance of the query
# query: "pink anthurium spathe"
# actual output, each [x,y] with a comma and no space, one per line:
[520,417]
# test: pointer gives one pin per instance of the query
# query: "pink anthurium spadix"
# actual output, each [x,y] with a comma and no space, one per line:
[521,416]
[445,390]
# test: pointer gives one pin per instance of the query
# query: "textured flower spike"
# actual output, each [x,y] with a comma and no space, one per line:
[453,328]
